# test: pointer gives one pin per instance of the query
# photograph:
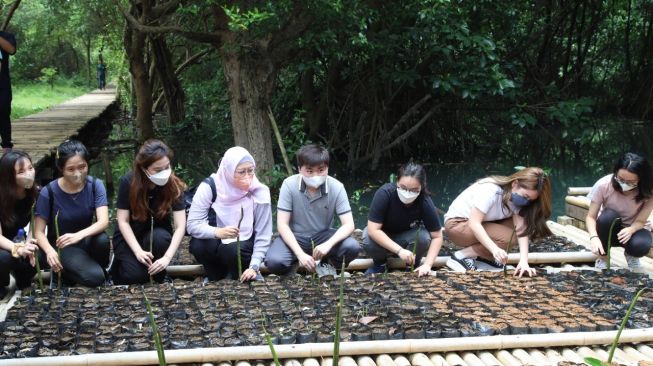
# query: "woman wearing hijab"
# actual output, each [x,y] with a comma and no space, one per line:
[214,225]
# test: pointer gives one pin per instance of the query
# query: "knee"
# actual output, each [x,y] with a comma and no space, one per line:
[607,217]
[102,242]
[198,247]
[639,245]
[161,239]
[5,260]
[276,265]
[424,239]
[350,247]
[92,277]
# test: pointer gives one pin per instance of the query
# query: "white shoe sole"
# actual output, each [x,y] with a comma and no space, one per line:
[481,266]
[455,266]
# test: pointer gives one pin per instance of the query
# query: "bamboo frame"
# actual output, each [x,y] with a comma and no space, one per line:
[448,345]
[578,191]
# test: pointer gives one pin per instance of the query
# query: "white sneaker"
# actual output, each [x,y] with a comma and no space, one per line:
[601,264]
[325,269]
[633,262]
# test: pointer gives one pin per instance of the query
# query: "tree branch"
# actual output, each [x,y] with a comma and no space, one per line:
[10,14]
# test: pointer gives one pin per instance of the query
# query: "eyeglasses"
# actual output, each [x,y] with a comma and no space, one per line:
[630,183]
[416,190]
[244,172]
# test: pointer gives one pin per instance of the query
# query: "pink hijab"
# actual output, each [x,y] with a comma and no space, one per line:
[230,198]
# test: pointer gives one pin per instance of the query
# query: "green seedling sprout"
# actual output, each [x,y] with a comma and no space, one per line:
[614,222]
[151,242]
[596,362]
[268,339]
[36,253]
[314,274]
[412,266]
[240,265]
[56,228]
[156,336]
[505,266]
[336,340]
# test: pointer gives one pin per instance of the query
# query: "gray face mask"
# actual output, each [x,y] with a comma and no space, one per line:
[77,178]
[25,180]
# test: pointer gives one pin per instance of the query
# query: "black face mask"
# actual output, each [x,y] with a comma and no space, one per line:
[519,200]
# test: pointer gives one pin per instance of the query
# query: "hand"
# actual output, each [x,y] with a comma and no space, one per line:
[248,275]
[597,246]
[423,270]
[522,268]
[624,235]
[407,256]
[144,257]
[53,261]
[321,251]
[158,265]
[307,262]
[28,249]
[68,239]
[227,232]
[500,255]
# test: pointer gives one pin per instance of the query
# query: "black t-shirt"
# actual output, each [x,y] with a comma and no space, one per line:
[388,210]
[5,83]
[141,227]
[22,216]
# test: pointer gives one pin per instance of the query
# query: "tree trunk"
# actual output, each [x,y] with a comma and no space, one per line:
[251,78]
[87,42]
[172,90]
[134,42]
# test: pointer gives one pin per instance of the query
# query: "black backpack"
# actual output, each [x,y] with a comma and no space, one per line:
[190,193]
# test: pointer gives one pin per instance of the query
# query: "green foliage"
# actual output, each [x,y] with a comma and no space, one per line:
[29,98]
[47,76]
[241,21]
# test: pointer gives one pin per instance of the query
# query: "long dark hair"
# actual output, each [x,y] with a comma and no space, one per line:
[151,151]
[67,150]
[416,171]
[538,211]
[635,164]
[8,185]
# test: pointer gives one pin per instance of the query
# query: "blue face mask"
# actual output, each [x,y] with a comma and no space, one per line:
[519,200]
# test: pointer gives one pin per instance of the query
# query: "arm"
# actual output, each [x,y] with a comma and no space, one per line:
[590,222]
[476,225]
[7,46]
[198,224]
[375,232]
[345,229]
[122,217]
[26,250]
[626,233]
[434,249]
[102,214]
[44,244]
[523,266]
[283,226]
[263,236]
[179,219]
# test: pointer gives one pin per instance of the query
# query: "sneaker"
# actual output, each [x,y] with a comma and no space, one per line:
[376,268]
[633,262]
[325,269]
[491,262]
[461,264]
[601,264]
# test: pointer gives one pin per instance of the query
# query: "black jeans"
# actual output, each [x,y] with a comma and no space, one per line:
[638,245]
[20,267]
[220,260]
[126,269]
[5,121]
[83,263]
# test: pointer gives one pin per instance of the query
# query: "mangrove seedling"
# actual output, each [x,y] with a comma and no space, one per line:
[56,231]
[240,264]
[336,339]
[314,274]
[412,266]
[268,339]
[151,242]
[512,235]
[156,336]
[596,362]
[614,222]
[36,253]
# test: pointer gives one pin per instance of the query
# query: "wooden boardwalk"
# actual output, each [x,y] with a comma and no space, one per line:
[39,134]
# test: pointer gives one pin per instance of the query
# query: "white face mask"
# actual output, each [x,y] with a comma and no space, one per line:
[26,180]
[407,196]
[314,181]
[627,187]
[160,178]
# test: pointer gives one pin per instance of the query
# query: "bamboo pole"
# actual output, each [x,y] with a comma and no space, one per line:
[200,355]
[472,359]
[282,146]
[540,358]
[578,191]
[401,361]
[489,359]
[311,362]
[506,358]
[438,360]
[581,201]
[385,360]
[554,356]
[365,361]
[523,357]
[419,359]
[454,359]
[572,356]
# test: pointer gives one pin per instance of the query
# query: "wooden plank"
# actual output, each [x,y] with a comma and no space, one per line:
[575,211]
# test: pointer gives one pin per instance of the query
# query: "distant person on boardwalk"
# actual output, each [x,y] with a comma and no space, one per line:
[17,195]
[69,205]
[7,47]
[308,204]
[398,211]
[483,217]
[625,199]
[145,242]
[101,74]
[215,214]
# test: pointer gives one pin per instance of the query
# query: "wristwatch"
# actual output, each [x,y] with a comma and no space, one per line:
[254,267]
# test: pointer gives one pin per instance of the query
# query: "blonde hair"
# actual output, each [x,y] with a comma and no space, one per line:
[536,213]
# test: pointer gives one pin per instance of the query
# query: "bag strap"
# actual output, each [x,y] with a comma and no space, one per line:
[214,191]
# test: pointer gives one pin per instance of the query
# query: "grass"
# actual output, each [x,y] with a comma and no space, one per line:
[30,98]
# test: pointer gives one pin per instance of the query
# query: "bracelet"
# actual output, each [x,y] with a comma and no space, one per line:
[593,236]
